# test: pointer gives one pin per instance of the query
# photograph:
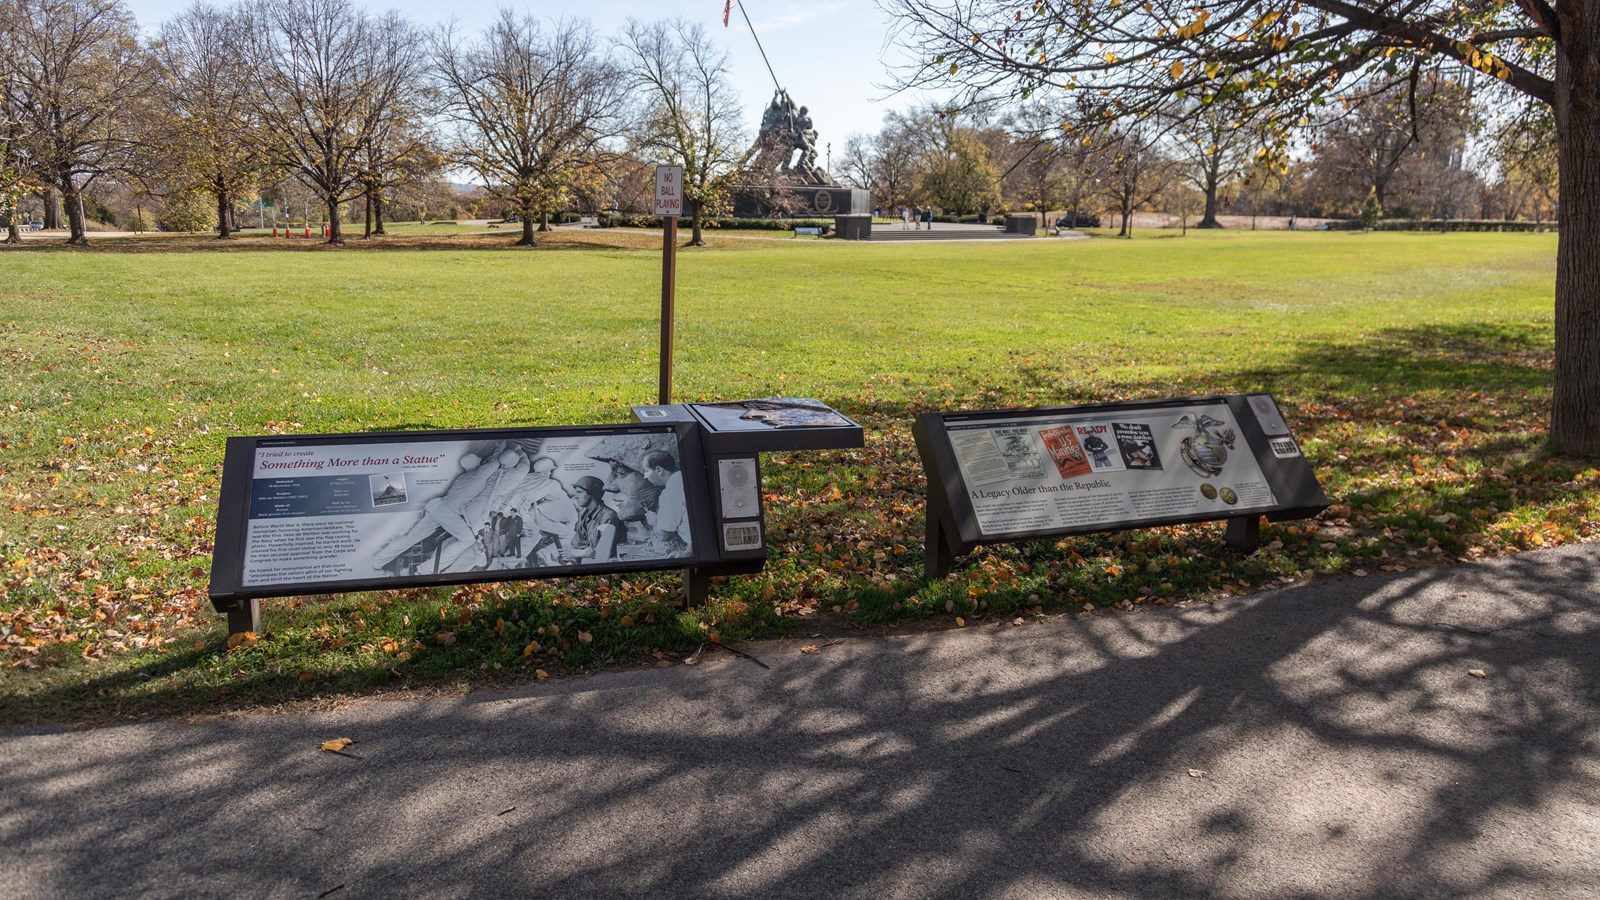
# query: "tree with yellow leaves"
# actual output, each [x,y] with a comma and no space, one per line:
[1293,58]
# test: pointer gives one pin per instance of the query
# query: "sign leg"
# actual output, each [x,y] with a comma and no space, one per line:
[1244,533]
[696,586]
[244,615]
[937,560]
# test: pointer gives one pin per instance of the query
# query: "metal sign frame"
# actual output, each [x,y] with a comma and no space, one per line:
[954,517]
[241,493]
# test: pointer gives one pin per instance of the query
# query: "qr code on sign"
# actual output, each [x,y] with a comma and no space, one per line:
[1282,447]
[741,536]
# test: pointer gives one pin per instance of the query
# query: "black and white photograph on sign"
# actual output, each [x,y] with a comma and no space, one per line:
[388,489]
[447,507]
[1107,472]
[783,412]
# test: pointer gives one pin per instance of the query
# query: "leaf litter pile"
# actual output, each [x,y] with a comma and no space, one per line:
[106,532]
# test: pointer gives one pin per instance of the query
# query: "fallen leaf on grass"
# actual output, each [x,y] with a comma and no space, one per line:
[540,674]
[337,744]
[811,648]
[1477,673]
[242,639]
[1197,773]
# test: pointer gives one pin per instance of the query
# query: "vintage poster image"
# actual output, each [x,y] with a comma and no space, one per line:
[1021,453]
[1065,451]
[1099,444]
[357,511]
[1137,445]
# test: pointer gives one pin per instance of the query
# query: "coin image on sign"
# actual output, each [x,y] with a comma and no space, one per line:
[1207,491]
[1229,496]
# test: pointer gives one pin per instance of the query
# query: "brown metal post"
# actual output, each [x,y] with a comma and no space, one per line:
[669,275]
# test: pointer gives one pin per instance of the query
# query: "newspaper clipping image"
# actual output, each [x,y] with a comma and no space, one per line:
[1102,469]
[325,511]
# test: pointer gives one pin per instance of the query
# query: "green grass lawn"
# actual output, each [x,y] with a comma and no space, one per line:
[1416,369]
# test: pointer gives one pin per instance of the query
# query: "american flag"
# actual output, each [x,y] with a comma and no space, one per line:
[727,8]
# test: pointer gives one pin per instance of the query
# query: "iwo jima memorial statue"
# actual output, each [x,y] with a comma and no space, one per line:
[779,176]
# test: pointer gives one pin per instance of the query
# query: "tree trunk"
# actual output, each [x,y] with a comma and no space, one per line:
[72,199]
[527,227]
[544,220]
[13,230]
[335,234]
[222,215]
[697,235]
[1575,401]
[366,230]
[52,210]
[1209,220]
[377,213]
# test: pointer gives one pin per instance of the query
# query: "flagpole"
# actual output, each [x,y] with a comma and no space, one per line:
[759,49]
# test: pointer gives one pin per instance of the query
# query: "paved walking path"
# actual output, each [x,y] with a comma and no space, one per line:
[1322,741]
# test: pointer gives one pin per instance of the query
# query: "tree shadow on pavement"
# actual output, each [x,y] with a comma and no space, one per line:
[1309,743]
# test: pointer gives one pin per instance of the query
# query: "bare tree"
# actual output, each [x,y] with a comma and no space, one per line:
[889,163]
[78,80]
[1524,151]
[532,106]
[328,77]
[402,153]
[211,140]
[1041,156]
[691,115]
[1377,131]
[397,142]
[15,160]
[1213,142]
[1137,172]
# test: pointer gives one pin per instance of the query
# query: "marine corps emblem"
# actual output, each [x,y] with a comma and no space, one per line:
[1205,451]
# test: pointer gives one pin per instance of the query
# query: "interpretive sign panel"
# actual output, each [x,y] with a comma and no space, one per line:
[1015,474]
[302,515]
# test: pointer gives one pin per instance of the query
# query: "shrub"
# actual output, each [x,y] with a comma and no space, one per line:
[1371,210]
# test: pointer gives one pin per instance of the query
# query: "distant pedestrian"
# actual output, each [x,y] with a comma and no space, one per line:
[905,217]
[928,216]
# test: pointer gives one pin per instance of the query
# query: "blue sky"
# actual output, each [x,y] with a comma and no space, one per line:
[830,54]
